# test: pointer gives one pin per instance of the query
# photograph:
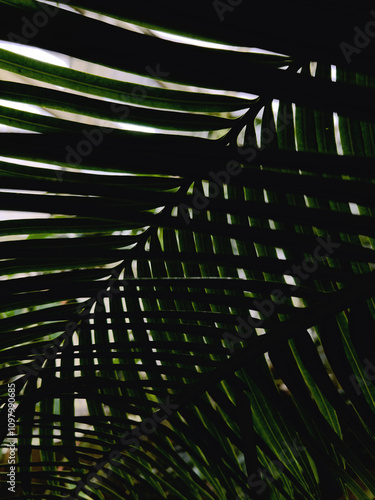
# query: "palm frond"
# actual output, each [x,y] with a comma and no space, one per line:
[188,309]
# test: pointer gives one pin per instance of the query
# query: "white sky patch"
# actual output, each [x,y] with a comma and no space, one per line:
[31,108]
[354,208]
[14,215]
[340,151]
[289,279]
[36,53]
[7,128]
[280,254]
[333,73]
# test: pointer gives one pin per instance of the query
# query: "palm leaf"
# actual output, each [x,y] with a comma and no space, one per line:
[187,310]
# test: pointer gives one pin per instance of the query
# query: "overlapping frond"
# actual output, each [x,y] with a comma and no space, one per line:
[187,311]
